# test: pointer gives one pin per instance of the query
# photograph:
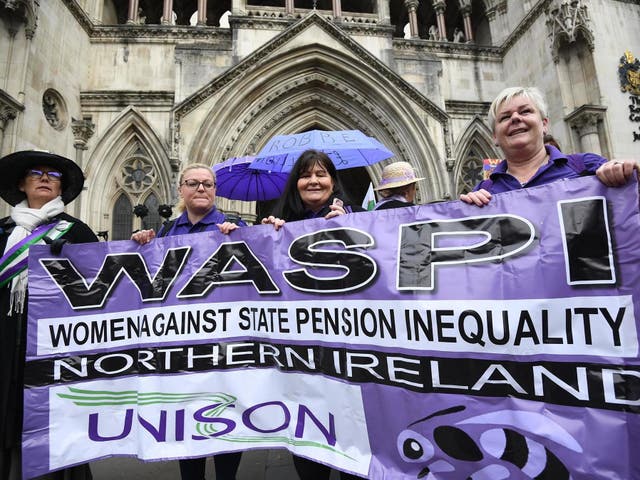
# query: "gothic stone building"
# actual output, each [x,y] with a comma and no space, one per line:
[135,89]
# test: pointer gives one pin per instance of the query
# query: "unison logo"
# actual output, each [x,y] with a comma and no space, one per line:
[269,422]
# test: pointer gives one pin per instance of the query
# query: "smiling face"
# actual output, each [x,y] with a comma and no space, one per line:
[198,200]
[40,189]
[519,126]
[315,186]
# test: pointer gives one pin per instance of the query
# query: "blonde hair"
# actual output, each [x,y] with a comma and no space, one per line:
[507,94]
[180,206]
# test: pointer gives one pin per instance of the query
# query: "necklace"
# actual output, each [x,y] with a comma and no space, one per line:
[528,176]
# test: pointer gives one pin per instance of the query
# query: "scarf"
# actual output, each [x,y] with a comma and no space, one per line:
[26,220]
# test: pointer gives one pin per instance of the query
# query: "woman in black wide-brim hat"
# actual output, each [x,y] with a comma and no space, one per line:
[37,185]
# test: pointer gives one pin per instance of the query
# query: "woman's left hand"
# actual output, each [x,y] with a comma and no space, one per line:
[615,173]
[227,227]
[335,211]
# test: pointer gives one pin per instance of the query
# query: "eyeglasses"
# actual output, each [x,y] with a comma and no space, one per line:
[195,184]
[53,175]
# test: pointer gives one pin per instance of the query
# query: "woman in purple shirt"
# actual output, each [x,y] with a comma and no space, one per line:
[518,118]
[197,188]
[313,190]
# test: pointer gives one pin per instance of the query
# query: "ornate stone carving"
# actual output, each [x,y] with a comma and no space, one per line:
[565,20]
[136,174]
[470,174]
[9,108]
[54,109]
[255,58]
[158,33]
[23,11]
[82,130]
[449,49]
[123,98]
[6,114]
[585,119]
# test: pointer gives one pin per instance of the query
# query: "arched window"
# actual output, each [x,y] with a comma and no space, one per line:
[122,218]
[153,219]
[471,172]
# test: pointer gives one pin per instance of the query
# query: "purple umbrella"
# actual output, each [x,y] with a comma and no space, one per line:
[346,148]
[236,181]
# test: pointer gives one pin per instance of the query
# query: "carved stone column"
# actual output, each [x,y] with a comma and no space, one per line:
[167,12]
[586,121]
[337,9]
[29,33]
[202,12]
[384,14]
[439,6]
[412,7]
[132,13]
[9,58]
[466,18]
[288,7]
[82,130]
[7,113]
[98,11]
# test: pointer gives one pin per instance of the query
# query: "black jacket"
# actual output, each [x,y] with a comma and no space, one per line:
[394,204]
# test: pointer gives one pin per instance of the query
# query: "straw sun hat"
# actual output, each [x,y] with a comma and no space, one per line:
[397,174]
[15,165]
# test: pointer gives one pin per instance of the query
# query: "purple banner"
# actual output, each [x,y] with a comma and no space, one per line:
[443,341]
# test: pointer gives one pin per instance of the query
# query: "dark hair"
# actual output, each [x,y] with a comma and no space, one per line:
[290,207]
[550,140]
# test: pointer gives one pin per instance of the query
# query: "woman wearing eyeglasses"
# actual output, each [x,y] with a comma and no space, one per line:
[37,185]
[197,189]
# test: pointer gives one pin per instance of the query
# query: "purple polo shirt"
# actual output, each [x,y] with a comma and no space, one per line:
[182,225]
[556,168]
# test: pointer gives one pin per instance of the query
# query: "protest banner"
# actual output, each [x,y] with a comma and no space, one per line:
[442,341]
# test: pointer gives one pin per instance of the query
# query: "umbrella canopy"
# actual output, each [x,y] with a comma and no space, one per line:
[346,148]
[236,181]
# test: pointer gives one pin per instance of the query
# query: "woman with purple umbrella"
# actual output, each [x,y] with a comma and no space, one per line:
[312,191]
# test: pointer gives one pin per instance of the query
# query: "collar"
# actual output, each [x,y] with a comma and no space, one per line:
[208,219]
[555,156]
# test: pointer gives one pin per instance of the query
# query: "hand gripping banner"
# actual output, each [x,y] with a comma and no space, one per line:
[442,341]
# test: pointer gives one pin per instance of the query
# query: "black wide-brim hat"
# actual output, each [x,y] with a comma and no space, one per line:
[14,166]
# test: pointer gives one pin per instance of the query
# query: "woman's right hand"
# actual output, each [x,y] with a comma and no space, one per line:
[480,198]
[143,236]
[271,220]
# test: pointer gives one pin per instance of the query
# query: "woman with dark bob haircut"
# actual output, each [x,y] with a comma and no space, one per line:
[313,190]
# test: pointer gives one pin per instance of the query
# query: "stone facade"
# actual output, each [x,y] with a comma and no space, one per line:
[135,94]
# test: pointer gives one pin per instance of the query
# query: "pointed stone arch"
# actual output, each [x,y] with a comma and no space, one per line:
[132,157]
[327,89]
[474,145]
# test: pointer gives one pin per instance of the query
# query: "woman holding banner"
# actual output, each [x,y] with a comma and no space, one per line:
[37,185]
[313,190]
[518,118]
[197,189]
